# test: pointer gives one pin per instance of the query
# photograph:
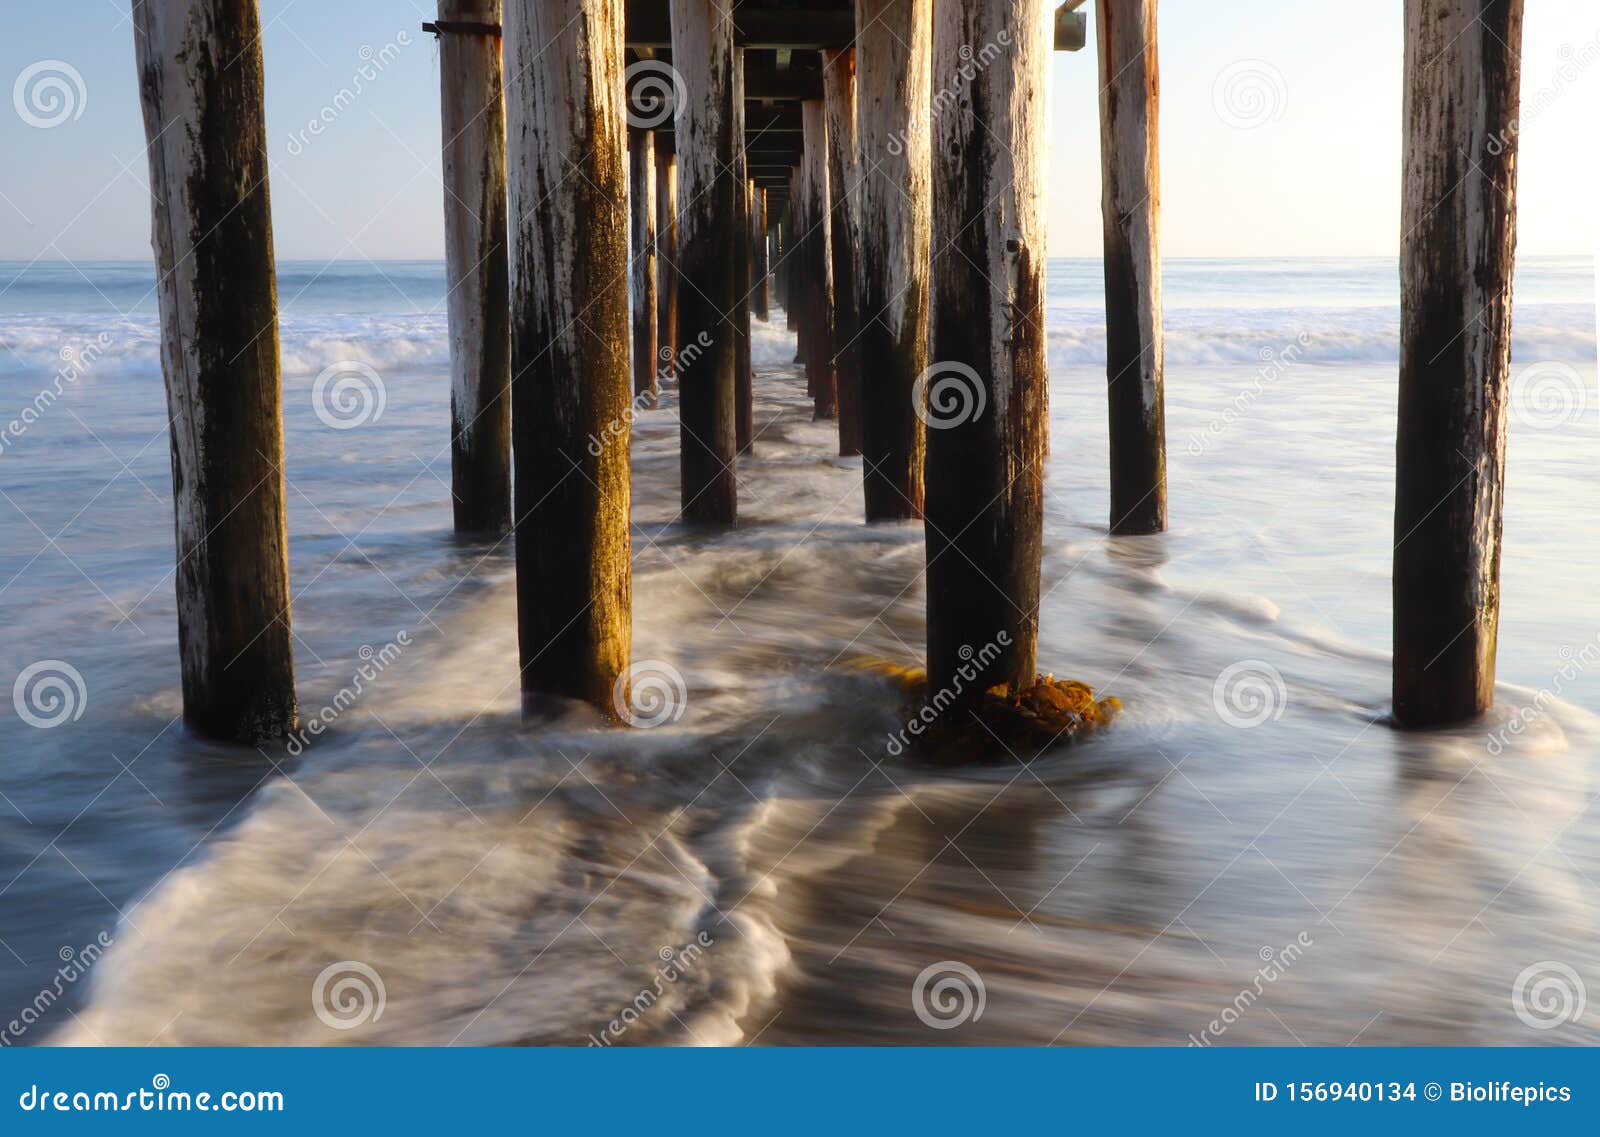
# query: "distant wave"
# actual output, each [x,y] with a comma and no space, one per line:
[39,345]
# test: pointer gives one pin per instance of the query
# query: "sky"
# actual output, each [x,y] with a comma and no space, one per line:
[1280,131]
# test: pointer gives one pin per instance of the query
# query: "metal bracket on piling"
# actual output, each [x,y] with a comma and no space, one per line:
[1072,27]
[462,28]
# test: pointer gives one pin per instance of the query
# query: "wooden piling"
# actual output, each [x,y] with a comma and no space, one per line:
[986,389]
[816,244]
[200,84]
[1458,225]
[472,117]
[761,298]
[666,262]
[708,192]
[839,96]
[570,378]
[1130,206]
[791,260]
[744,409]
[642,264]
[893,48]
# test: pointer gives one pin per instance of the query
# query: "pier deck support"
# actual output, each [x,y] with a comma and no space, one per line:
[744,410]
[987,389]
[200,83]
[1131,209]
[839,95]
[642,264]
[476,272]
[761,297]
[893,49]
[708,190]
[1458,220]
[570,378]
[666,262]
[817,281]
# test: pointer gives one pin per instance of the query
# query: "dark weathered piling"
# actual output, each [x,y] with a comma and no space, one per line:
[893,46]
[474,127]
[760,299]
[570,381]
[986,391]
[708,192]
[790,264]
[744,409]
[839,86]
[200,83]
[642,266]
[1458,225]
[1130,203]
[815,240]
[666,262]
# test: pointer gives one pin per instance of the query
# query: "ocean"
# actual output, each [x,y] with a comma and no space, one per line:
[1248,855]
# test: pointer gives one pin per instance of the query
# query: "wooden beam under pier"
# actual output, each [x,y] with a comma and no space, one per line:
[839,75]
[667,261]
[642,262]
[817,285]
[807,27]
